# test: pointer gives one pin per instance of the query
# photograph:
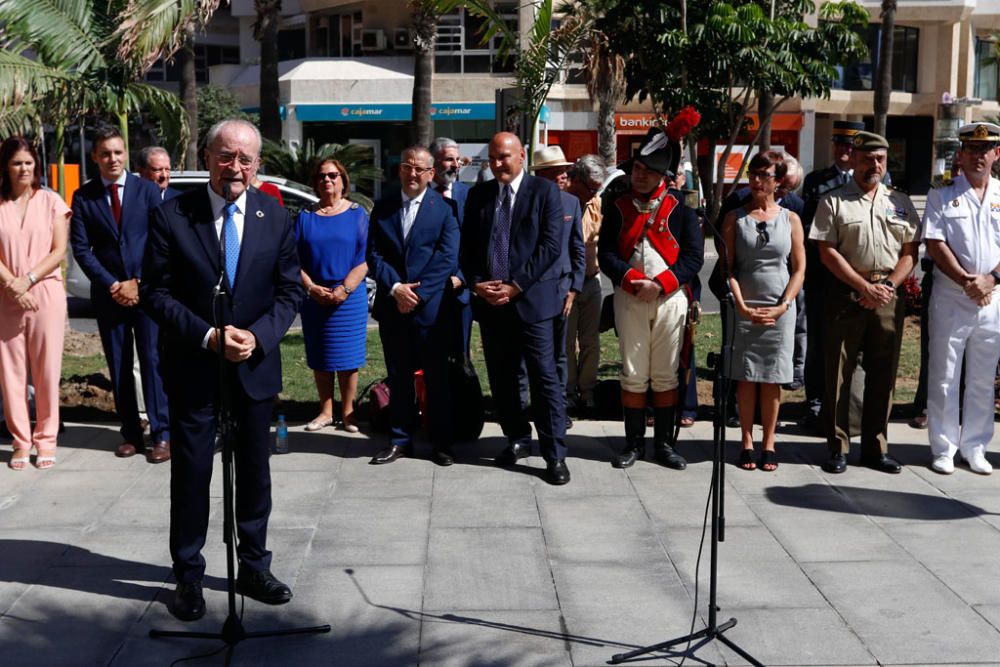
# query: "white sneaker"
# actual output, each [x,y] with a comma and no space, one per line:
[943,464]
[979,464]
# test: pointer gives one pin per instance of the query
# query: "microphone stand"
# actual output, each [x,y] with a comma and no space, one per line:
[721,363]
[232,632]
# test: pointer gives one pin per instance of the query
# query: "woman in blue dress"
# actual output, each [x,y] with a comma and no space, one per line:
[332,237]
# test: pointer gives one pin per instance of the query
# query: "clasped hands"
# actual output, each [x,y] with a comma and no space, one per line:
[327,296]
[766,316]
[125,292]
[406,298]
[240,343]
[496,292]
[18,290]
[979,288]
[875,295]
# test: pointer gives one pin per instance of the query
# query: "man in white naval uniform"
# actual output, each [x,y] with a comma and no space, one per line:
[962,233]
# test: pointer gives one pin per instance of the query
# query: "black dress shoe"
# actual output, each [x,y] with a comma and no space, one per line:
[508,457]
[883,463]
[836,465]
[627,458]
[556,472]
[443,456]
[666,455]
[262,586]
[189,603]
[389,455]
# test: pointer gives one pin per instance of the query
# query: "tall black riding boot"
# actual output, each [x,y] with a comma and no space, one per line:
[635,438]
[663,438]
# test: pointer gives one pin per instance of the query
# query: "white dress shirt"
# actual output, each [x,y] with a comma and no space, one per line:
[218,204]
[407,216]
[121,188]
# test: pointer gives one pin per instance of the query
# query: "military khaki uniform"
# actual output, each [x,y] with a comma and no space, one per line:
[869,231]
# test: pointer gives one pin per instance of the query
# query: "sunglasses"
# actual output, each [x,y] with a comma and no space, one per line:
[324,175]
[763,238]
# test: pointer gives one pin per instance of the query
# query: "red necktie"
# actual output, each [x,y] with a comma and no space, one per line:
[116,204]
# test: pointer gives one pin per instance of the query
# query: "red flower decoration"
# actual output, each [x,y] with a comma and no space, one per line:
[686,120]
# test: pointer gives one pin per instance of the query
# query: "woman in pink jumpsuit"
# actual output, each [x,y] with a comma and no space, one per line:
[34,226]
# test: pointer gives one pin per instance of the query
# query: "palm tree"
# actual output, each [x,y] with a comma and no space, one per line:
[424,24]
[606,86]
[297,163]
[90,58]
[265,31]
[883,75]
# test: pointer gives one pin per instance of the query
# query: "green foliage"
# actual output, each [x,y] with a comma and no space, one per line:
[717,56]
[215,104]
[89,59]
[297,163]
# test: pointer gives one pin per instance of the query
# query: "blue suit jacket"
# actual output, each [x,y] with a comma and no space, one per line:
[181,269]
[459,195]
[428,256]
[537,245]
[170,193]
[575,258]
[105,253]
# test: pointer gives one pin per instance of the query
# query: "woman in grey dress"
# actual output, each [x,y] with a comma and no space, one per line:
[767,263]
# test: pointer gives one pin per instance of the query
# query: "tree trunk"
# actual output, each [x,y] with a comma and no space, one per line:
[765,101]
[268,12]
[60,137]
[423,91]
[883,75]
[123,125]
[189,98]
[607,142]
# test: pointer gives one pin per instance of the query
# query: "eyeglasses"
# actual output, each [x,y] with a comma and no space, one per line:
[226,159]
[414,169]
[760,175]
[331,175]
[763,238]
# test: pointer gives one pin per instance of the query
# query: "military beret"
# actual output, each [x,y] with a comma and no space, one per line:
[868,141]
[979,132]
[844,130]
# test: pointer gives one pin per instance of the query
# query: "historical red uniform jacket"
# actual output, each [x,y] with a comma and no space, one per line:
[673,231]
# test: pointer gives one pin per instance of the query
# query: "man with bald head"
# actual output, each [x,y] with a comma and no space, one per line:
[232,237]
[512,244]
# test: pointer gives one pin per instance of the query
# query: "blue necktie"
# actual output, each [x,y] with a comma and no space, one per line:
[500,257]
[232,241]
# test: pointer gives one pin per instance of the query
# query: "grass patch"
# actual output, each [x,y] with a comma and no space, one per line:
[299,386]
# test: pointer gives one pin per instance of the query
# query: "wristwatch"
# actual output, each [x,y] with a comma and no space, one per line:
[886,281]
[346,288]
[788,303]
[996,276]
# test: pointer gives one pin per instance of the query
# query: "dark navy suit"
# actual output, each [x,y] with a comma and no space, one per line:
[108,254]
[523,328]
[182,268]
[462,317]
[169,193]
[418,339]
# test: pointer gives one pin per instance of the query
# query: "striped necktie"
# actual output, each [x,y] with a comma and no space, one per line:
[500,257]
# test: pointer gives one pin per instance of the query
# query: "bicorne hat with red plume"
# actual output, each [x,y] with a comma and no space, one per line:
[661,149]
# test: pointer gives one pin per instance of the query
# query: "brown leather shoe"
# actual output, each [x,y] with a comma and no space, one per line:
[125,450]
[159,452]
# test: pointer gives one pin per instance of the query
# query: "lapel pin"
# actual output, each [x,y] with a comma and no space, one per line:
[260,214]
[954,203]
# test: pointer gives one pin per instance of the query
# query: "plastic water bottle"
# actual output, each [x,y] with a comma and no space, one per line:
[281,436]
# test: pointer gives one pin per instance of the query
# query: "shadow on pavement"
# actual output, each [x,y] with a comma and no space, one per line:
[874,502]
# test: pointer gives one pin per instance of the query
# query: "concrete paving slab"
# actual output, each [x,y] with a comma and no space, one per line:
[518,510]
[501,569]
[904,614]
[404,478]
[615,529]
[356,531]
[751,561]
[480,480]
[495,639]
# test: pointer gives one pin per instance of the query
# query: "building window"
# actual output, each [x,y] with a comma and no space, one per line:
[458,49]
[205,55]
[861,75]
[987,69]
[292,44]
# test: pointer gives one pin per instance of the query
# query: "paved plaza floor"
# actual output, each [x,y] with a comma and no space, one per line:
[413,564]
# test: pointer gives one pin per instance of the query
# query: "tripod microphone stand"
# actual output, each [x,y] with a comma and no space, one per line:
[713,630]
[232,632]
